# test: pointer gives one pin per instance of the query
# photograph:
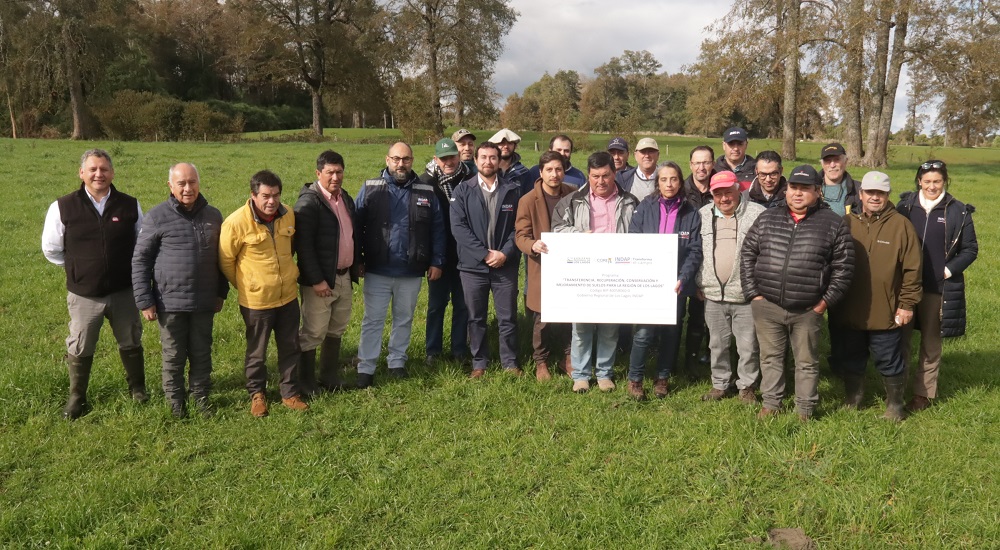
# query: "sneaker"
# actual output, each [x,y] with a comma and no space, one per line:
[399,374]
[581,386]
[204,406]
[365,381]
[178,409]
[918,403]
[295,403]
[477,374]
[715,394]
[661,388]
[636,391]
[748,396]
[766,413]
[542,371]
[258,405]
[606,384]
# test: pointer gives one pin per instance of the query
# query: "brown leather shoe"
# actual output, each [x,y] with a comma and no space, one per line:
[258,405]
[661,388]
[748,396]
[715,394]
[516,371]
[636,391]
[766,413]
[568,366]
[295,403]
[542,371]
[477,374]
[918,403]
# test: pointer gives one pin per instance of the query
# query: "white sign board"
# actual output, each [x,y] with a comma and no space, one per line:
[609,278]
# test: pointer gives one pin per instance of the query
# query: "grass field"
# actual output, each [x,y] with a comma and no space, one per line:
[440,461]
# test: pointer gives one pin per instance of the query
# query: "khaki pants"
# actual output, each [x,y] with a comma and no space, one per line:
[928,319]
[325,316]
[86,317]
[777,328]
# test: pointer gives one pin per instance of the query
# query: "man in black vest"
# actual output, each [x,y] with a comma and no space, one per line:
[92,232]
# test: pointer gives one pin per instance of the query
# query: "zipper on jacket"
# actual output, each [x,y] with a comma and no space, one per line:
[788,257]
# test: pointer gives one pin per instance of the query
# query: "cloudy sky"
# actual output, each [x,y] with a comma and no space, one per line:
[582,34]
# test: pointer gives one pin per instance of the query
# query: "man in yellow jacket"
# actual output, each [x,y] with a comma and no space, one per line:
[255,254]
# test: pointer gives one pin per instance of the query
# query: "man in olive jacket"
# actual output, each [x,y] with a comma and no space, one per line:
[880,301]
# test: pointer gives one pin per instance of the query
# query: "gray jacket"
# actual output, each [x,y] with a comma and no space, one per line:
[572,213]
[175,265]
[707,280]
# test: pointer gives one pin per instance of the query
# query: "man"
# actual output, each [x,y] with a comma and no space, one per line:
[795,262]
[640,181]
[92,232]
[466,143]
[402,239]
[698,192]
[510,167]
[563,145]
[482,221]
[839,188]
[329,256]
[618,149]
[255,253]
[445,176]
[600,207]
[768,187]
[883,294]
[697,186]
[177,283]
[534,217]
[725,223]
[734,157]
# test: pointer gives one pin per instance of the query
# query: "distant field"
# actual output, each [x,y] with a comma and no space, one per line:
[440,461]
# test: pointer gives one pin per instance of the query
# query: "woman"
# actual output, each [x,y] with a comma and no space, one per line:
[948,240]
[666,212]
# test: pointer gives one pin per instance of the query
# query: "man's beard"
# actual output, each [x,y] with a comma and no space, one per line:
[401,177]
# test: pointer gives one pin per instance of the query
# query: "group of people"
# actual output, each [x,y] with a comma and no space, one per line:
[761,258]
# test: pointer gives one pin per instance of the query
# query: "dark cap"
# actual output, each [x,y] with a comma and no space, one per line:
[618,144]
[461,133]
[734,134]
[805,174]
[445,148]
[831,150]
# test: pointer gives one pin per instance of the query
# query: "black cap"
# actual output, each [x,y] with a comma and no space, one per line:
[618,144]
[734,134]
[833,149]
[805,174]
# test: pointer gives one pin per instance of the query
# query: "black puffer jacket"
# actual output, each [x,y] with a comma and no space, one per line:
[317,237]
[959,249]
[175,265]
[794,265]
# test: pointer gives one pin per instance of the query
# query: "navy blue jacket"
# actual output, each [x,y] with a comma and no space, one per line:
[470,224]
[688,229]
[573,177]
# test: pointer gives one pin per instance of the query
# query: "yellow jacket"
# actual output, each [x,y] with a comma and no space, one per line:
[258,264]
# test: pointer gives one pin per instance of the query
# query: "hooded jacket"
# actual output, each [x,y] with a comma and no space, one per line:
[257,261]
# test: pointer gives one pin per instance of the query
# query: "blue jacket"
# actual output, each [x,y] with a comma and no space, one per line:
[395,234]
[470,224]
[573,177]
[688,229]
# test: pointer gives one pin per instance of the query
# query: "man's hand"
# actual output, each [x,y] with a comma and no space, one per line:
[700,295]
[149,313]
[434,273]
[322,289]
[903,317]
[755,298]
[495,259]
[539,248]
[677,287]
[820,307]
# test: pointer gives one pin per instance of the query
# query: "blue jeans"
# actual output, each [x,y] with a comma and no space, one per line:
[582,349]
[379,290]
[850,350]
[439,293]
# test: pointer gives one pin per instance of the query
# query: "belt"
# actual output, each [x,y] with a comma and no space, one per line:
[343,271]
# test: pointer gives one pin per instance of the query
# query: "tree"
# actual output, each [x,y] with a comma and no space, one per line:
[556,99]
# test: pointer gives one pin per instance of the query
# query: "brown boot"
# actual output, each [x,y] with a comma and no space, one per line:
[636,391]
[918,403]
[661,388]
[79,379]
[329,369]
[258,405]
[542,371]
[135,373]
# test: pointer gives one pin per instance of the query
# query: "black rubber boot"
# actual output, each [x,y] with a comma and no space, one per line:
[329,370]
[135,373]
[204,405]
[178,408]
[854,390]
[79,379]
[307,373]
[894,388]
[692,351]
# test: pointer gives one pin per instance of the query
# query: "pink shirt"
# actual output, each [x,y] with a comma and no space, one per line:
[346,248]
[602,212]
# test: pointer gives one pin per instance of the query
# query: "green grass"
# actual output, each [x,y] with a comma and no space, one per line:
[440,461]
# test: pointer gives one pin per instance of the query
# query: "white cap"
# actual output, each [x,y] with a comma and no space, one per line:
[505,134]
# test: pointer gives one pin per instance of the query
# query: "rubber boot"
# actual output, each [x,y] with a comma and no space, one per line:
[307,373]
[894,388]
[854,390]
[79,379]
[329,370]
[135,373]
[692,349]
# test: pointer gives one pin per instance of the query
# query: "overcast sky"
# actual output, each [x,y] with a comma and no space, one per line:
[583,34]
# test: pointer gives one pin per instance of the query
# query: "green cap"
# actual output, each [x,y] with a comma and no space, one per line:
[445,148]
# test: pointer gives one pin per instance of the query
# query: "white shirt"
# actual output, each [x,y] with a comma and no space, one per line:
[53,231]
[489,188]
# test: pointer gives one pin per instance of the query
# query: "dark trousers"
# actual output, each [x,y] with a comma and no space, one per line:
[696,327]
[477,287]
[284,322]
[186,337]
[669,339]
[439,293]
[545,336]
[851,348]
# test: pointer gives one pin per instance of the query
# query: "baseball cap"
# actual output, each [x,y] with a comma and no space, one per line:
[805,174]
[875,181]
[618,144]
[445,148]
[734,134]
[832,149]
[723,180]
[459,134]
[646,143]
[505,134]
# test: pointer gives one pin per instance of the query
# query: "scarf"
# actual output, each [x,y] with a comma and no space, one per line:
[448,183]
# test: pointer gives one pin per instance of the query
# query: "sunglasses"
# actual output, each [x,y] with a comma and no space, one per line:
[936,165]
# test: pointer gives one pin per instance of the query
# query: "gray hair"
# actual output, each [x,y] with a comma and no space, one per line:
[175,165]
[101,153]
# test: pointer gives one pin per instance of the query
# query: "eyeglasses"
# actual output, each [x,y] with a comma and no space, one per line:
[703,163]
[936,165]
[404,160]
[768,175]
